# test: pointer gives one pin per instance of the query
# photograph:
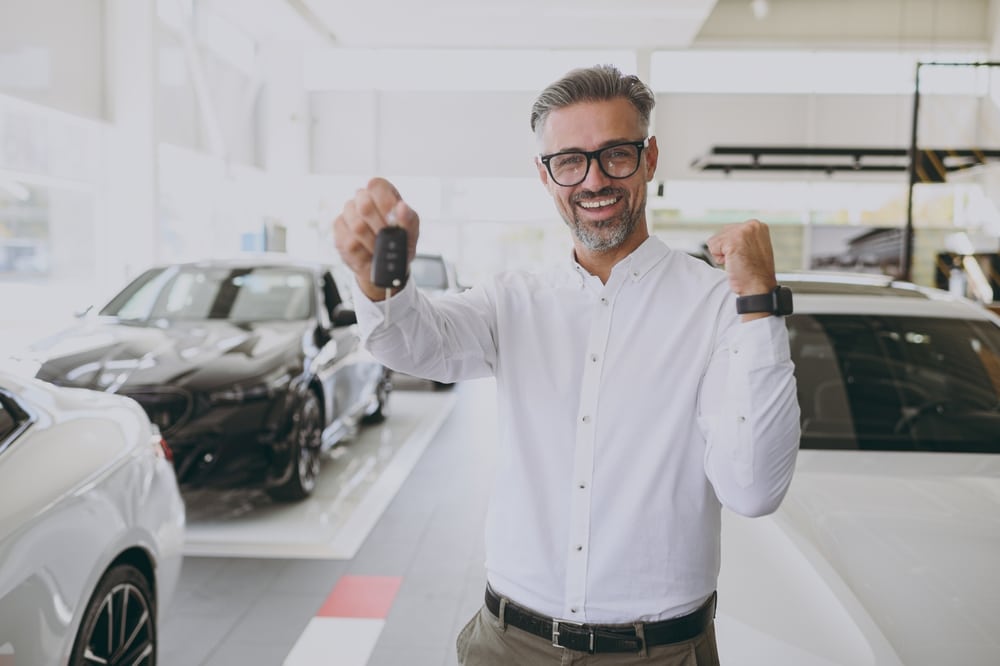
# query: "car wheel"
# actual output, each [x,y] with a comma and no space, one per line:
[305,441]
[119,622]
[381,410]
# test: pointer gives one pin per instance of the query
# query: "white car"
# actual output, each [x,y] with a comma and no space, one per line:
[885,550]
[91,527]
[434,274]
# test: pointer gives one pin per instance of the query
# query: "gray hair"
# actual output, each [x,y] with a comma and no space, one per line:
[593,84]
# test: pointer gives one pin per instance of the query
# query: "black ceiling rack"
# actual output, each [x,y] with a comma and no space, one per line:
[931,166]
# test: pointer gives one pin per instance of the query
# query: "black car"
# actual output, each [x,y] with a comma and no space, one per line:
[251,368]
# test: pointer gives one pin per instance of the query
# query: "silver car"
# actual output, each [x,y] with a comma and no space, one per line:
[91,527]
[884,551]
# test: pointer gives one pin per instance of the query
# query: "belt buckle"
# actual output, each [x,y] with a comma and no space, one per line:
[555,633]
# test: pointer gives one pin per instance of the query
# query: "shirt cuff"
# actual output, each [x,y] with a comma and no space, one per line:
[371,314]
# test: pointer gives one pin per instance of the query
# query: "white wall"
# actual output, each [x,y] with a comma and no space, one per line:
[443,134]
[52,53]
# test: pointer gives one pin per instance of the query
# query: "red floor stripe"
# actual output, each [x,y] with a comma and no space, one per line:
[361,596]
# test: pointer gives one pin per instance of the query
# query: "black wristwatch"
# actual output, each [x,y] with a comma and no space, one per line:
[778,301]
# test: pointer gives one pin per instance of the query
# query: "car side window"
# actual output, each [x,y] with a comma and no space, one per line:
[897,383]
[826,414]
[7,422]
[331,295]
[12,418]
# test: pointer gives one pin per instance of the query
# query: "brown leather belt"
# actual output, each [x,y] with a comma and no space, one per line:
[593,638]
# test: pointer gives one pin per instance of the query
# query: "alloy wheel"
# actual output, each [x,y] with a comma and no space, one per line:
[119,623]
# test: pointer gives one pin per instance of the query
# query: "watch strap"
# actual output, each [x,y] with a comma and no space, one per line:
[756,303]
[778,301]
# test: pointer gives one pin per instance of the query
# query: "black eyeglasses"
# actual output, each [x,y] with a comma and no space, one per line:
[571,167]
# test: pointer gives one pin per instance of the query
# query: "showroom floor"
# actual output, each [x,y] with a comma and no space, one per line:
[382,566]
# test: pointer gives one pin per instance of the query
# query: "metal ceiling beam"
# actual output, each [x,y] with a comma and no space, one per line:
[931,166]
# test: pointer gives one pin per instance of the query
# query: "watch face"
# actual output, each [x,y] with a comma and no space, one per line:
[783,301]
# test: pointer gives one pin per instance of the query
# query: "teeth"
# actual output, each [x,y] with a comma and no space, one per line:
[598,204]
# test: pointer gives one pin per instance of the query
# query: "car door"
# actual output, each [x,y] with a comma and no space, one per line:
[347,375]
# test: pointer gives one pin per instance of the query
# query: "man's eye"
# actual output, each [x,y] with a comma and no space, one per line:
[570,161]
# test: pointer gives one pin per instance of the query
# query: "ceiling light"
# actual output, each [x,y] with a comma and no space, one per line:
[760,9]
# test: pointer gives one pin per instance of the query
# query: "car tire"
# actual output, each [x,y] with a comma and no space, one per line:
[305,440]
[119,622]
[381,410]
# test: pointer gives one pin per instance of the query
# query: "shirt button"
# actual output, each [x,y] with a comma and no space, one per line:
[635,274]
[582,485]
[741,419]
[572,610]
[736,350]
[604,300]
[593,358]
[586,419]
[579,548]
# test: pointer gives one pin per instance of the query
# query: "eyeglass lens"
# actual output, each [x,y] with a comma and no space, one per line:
[619,161]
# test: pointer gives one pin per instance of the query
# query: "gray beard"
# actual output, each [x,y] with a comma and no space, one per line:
[623,226]
[596,242]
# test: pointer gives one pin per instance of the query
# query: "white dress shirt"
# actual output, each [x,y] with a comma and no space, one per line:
[630,413]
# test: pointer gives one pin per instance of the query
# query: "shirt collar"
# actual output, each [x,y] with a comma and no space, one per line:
[643,258]
[635,265]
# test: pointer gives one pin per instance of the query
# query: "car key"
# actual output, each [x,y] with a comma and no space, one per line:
[389,258]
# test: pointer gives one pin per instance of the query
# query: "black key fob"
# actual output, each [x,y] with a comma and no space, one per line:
[389,260]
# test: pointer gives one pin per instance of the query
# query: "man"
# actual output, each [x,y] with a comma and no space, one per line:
[634,401]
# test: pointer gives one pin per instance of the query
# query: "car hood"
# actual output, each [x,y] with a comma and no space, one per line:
[873,558]
[109,356]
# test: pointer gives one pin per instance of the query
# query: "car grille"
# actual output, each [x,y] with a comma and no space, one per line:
[168,409]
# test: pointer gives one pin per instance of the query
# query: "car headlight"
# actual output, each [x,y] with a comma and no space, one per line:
[263,388]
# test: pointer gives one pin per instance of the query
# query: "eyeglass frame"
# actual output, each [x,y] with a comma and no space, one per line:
[591,156]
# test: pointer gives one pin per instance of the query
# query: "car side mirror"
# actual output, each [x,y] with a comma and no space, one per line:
[344,317]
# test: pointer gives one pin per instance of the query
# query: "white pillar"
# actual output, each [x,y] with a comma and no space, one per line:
[127,224]
[287,135]
[288,122]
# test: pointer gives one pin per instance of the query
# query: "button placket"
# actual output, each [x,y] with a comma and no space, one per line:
[583,463]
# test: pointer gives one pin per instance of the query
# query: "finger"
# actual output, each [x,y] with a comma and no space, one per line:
[368,210]
[384,195]
[407,218]
[357,231]
[718,246]
[352,253]
[378,184]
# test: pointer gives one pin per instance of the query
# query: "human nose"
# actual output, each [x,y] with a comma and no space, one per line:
[595,178]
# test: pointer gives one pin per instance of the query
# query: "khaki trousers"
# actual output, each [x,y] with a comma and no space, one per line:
[485,642]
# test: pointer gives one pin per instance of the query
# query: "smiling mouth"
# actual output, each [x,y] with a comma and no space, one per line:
[596,204]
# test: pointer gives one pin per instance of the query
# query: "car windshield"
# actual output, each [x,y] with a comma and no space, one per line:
[245,294]
[890,383]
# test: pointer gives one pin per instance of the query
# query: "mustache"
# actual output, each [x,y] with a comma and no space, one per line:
[603,193]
